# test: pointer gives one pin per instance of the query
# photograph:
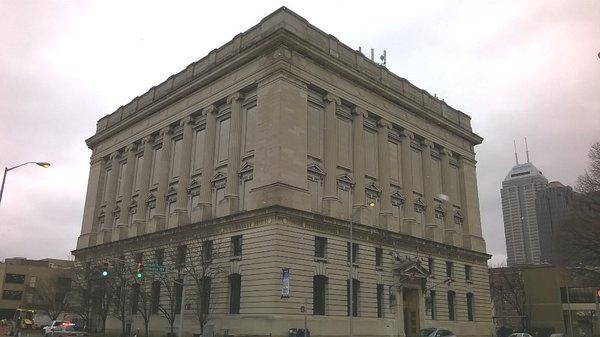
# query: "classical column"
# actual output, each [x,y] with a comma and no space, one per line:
[89,225]
[181,212]
[385,212]
[331,141]
[111,197]
[450,235]
[232,194]
[139,219]
[409,222]
[358,163]
[127,183]
[208,163]
[469,204]
[399,311]
[432,231]
[157,222]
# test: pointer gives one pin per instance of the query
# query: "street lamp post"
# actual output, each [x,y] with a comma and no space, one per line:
[42,164]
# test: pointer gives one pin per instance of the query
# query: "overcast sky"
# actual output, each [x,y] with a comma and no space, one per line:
[519,69]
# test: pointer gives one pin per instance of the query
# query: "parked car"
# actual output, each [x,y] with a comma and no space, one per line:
[66,331]
[49,328]
[519,334]
[437,332]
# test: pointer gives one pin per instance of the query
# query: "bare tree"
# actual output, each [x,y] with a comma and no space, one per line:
[169,304]
[508,292]
[121,282]
[590,180]
[142,295]
[50,294]
[84,285]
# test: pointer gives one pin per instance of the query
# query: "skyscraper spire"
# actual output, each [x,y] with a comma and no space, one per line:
[526,150]
[516,156]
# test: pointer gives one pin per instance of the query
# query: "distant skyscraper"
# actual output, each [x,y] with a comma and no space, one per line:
[552,206]
[518,192]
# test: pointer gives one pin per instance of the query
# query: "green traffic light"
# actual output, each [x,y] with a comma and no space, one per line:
[139,275]
[104,273]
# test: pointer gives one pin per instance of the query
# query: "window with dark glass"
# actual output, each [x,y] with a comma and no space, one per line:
[449,267]
[355,291]
[235,290]
[135,296]
[433,304]
[320,247]
[155,299]
[354,252]
[178,288]
[430,264]
[378,257]
[159,256]
[207,251]
[451,308]
[180,258]
[14,278]
[236,245]
[12,295]
[380,300]
[206,284]
[319,295]
[470,306]
[468,273]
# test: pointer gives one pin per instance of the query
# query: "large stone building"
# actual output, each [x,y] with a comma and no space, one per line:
[264,150]
[518,192]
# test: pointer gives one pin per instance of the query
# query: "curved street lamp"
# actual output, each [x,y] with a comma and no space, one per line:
[38,163]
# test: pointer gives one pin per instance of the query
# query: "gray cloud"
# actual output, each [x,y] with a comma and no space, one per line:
[522,68]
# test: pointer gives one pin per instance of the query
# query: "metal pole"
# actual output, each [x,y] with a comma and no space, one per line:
[597,310]
[351,295]
[570,332]
[3,180]
[182,307]
[305,318]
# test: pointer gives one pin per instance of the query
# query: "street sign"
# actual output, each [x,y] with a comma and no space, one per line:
[155,268]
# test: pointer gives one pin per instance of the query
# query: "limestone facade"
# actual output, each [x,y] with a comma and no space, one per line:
[285,117]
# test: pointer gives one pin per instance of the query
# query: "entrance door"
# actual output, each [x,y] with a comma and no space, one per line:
[411,312]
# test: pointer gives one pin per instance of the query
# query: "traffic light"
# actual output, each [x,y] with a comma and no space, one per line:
[139,271]
[598,293]
[104,273]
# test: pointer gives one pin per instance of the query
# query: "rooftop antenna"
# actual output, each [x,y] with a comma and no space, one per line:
[516,156]
[360,49]
[372,54]
[526,150]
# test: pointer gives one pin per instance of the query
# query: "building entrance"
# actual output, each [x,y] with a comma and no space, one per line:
[410,298]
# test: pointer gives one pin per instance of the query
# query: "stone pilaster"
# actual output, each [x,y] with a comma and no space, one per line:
[208,163]
[450,231]
[182,213]
[432,231]
[409,222]
[93,200]
[122,229]
[469,203]
[358,163]
[232,194]
[330,156]
[111,197]
[157,223]
[385,213]
[139,219]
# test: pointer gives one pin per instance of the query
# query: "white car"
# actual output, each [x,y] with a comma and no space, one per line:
[47,329]
[436,332]
[519,334]
[66,330]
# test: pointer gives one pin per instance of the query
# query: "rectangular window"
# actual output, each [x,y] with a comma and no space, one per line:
[235,290]
[380,300]
[354,252]
[159,256]
[223,142]
[449,271]
[155,300]
[206,284]
[207,251]
[178,287]
[451,297]
[378,257]
[355,291]
[181,253]
[320,247]
[32,281]
[430,306]
[468,273]
[319,294]
[14,278]
[12,295]
[470,306]
[236,245]
[430,264]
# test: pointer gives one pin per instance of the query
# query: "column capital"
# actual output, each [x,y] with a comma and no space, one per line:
[331,98]
[235,97]
[211,109]
[446,152]
[383,124]
[426,143]
[115,155]
[407,134]
[462,160]
[130,148]
[147,140]
[358,111]
[186,121]
[167,130]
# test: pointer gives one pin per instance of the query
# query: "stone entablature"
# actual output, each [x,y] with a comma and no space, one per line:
[326,47]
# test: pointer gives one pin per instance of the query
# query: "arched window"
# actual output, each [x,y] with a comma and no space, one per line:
[319,294]
[235,291]
[470,306]
[451,305]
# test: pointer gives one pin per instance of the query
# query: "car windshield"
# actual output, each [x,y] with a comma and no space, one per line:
[427,332]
